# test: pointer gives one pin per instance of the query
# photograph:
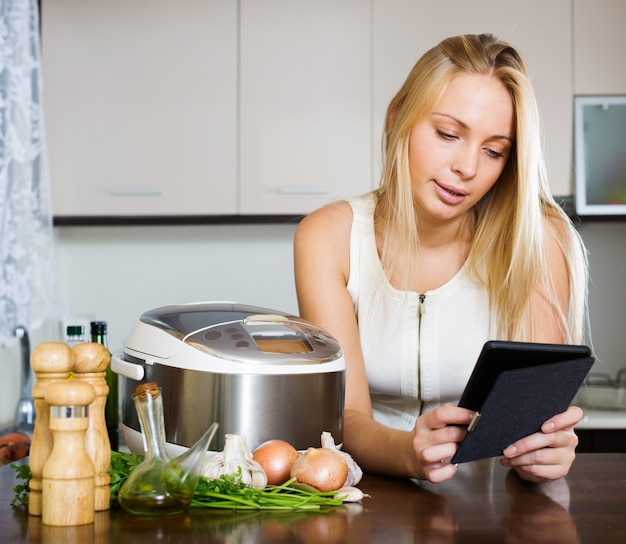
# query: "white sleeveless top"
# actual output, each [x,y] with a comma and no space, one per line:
[419,349]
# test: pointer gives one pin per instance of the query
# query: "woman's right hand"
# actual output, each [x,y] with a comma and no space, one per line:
[436,439]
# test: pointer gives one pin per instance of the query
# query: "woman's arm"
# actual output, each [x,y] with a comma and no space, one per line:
[322,265]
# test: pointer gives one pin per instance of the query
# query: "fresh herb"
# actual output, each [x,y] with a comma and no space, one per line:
[122,464]
[225,492]
[229,493]
[21,490]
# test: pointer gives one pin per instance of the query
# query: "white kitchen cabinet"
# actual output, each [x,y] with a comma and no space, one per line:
[140,101]
[305,129]
[599,45]
[541,31]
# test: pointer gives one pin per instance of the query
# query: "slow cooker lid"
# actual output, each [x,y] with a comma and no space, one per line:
[183,319]
[244,333]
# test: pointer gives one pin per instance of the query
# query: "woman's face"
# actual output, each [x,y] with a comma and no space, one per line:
[459,150]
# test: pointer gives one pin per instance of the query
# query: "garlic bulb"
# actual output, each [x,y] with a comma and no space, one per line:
[354,470]
[236,459]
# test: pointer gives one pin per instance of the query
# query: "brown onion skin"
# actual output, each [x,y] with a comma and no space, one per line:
[321,468]
[276,457]
[13,446]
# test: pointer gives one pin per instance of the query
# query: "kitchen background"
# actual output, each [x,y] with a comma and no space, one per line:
[161,112]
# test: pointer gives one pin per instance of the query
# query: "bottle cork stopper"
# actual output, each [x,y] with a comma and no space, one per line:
[70,393]
[145,390]
[90,357]
[52,357]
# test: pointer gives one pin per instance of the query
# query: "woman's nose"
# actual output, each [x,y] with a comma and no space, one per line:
[465,162]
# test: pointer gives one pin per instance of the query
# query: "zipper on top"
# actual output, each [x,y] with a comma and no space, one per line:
[421,308]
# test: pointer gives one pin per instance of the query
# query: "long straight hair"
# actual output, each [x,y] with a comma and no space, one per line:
[508,255]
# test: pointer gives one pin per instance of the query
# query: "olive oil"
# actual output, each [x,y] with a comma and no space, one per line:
[150,496]
[160,486]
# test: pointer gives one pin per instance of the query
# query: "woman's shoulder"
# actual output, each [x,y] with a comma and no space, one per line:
[333,222]
[330,225]
[332,216]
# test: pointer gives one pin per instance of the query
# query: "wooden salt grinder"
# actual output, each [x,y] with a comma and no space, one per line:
[89,363]
[50,361]
[68,483]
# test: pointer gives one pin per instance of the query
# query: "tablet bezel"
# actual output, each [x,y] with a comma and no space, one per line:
[497,356]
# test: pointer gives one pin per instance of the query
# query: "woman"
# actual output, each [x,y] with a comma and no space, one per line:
[461,243]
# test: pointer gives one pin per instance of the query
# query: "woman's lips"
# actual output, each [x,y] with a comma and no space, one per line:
[449,194]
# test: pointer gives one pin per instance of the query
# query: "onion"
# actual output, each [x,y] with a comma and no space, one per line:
[13,446]
[276,458]
[321,468]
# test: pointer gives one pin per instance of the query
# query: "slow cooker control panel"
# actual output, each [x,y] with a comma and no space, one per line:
[280,343]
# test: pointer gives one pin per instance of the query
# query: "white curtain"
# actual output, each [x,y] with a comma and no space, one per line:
[28,287]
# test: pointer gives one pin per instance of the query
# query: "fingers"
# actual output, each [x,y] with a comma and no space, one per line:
[541,466]
[439,472]
[542,456]
[563,421]
[549,454]
[436,438]
[444,416]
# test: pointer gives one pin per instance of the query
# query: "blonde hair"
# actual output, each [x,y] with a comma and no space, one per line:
[509,225]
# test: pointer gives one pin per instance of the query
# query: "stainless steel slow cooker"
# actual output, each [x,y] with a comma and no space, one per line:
[256,372]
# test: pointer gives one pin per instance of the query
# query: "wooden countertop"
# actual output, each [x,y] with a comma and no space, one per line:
[484,503]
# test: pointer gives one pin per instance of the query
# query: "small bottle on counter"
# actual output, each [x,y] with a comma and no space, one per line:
[111,411]
[75,334]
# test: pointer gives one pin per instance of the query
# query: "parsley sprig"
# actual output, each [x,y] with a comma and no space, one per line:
[229,493]
[21,489]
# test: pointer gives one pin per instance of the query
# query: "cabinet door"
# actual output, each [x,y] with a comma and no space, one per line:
[140,102]
[599,45]
[541,31]
[305,104]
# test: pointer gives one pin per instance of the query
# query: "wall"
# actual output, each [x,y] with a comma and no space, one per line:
[607,296]
[116,273]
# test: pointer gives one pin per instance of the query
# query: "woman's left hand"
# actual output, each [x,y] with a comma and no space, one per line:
[548,454]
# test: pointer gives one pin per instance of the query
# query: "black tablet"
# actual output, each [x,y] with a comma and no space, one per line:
[514,388]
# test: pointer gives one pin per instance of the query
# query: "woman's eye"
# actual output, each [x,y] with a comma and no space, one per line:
[445,135]
[495,154]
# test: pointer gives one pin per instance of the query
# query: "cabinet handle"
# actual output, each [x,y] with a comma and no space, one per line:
[136,192]
[302,191]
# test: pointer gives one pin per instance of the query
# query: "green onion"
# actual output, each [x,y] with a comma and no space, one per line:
[228,493]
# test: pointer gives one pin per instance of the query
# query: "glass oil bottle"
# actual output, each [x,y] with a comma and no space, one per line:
[160,486]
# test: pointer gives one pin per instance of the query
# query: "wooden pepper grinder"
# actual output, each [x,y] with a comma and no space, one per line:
[68,484]
[89,363]
[50,361]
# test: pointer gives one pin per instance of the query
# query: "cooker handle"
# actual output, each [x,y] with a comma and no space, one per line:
[265,318]
[124,368]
